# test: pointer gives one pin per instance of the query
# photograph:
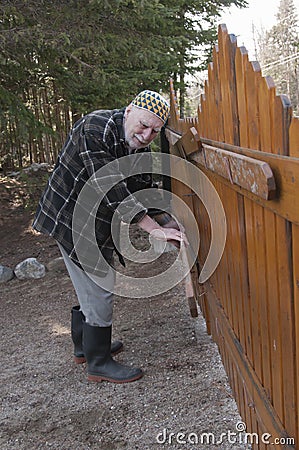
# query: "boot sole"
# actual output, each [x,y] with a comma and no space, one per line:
[99,379]
[79,359]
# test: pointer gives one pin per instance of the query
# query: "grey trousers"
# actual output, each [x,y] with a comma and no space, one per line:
[96,302]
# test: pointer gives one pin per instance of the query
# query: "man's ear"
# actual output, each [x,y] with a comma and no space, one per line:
[128,110]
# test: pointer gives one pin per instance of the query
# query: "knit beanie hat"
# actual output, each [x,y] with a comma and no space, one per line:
[153,102]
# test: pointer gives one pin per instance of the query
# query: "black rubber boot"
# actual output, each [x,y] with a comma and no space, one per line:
[100,365]
[77,333]
[77,321]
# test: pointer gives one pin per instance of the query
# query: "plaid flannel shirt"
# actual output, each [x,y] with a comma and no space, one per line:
[95,140]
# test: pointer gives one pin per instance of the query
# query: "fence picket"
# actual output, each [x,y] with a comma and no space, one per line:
[294,151]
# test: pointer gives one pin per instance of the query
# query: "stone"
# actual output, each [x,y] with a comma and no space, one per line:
[56,265]
[30,268]
[35,167]
[6,274]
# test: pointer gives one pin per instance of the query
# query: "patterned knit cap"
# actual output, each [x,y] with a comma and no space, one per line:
[153,102]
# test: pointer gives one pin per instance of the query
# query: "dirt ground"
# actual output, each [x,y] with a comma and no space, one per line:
[46,399]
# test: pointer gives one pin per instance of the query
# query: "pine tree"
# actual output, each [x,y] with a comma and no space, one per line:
[279,52]
[61,59]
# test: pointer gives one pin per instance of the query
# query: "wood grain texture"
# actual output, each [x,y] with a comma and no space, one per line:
[246,141]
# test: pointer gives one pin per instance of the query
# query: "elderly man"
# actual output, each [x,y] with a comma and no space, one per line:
[96,140]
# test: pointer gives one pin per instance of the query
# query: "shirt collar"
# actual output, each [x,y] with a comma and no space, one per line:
[119,121]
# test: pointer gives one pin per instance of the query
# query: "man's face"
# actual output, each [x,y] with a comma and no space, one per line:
[141,127]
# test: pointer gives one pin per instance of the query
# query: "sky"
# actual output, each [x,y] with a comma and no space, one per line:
[260,13]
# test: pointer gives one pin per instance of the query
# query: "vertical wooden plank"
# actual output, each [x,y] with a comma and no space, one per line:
[257,100]
[241,69]
[219,277]
[241,269]
[234,378]
[219,132]
[294,151]
[287,324]
[295,251]
[294,137]
[272,240]
[261,445]
[213,111]
[222,269]
[208,113]
[275,344]
[202,118]
[266,98]
[236,255]
[241,64]
[262,290]
[269,140]
[266,93]
[224,264]
[245,320]
[227,50]
[283,114]
[252,73]
[227,300]
[240,394]
[256,231]
[282,120]
[253,424]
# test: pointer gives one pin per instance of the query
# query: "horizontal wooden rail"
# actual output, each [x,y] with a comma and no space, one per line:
[253,175]
[286,173]
[285,170]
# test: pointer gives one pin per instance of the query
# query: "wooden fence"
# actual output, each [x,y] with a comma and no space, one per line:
[246,141]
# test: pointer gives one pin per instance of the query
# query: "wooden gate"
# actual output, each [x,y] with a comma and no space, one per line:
[246,141]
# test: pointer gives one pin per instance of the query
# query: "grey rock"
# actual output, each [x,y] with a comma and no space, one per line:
[30,268]
[56,265]
[6,274]
[35,167]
